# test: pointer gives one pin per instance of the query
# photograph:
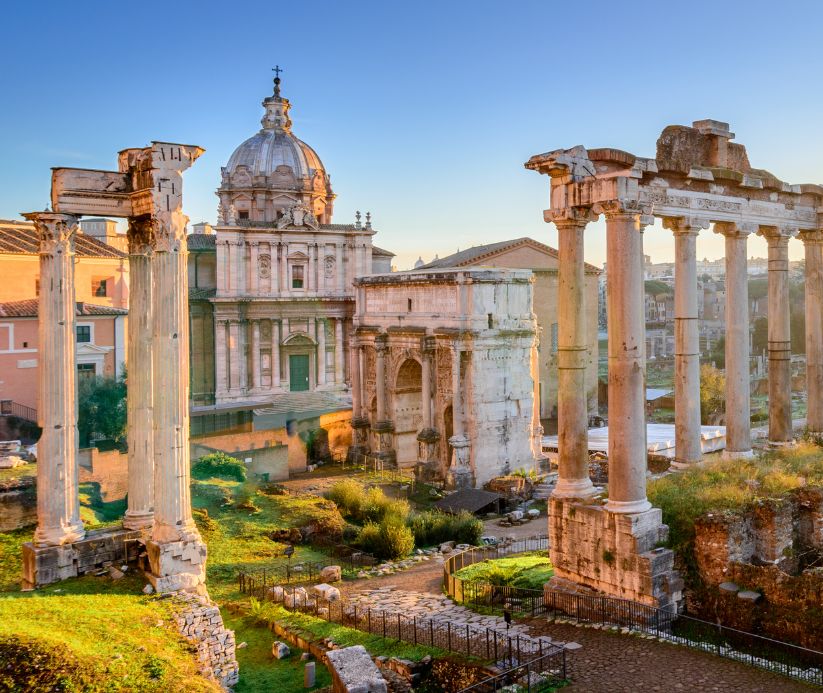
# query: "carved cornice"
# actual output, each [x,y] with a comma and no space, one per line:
[55,231]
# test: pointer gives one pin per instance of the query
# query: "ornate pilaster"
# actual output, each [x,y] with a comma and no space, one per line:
[320,325]
[813,247]
[687,447]
[572,351]
[339,369]
[58,507]
[780,341]
[139,403]
[625,221]
[383,428]
[255,355]
[738,388]
[460,474]
[359,423]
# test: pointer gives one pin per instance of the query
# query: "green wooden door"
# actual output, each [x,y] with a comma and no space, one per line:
[298,372]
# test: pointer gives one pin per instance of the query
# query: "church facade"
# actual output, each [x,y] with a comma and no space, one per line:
[282,299]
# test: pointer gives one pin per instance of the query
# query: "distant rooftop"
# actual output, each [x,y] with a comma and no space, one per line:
[28,308]
[472,256]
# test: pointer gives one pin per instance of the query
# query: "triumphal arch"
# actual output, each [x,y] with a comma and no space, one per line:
[147,190]
[698,179]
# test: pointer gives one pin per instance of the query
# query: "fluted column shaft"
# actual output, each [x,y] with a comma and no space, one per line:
[627,362]
[572,411]
[780,341]
[140,512]
[339,368]
[255,354]
[275,353]
[340,269]
[457,395]
[58,507]
[426,394]
[687,449]
[813,247]
[172,504]
[381,348]
[356,393]
[321,351]
[738,388]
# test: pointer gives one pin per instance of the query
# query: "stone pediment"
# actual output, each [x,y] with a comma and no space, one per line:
[85,349]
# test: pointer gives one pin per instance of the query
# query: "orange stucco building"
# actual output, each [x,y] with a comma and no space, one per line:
[101,286]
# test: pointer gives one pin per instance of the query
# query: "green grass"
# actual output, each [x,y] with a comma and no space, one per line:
[530,570]
[259,671]
[78,619]
[17,472]
[730,486]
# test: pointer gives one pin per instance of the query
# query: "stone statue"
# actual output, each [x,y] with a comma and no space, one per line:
[232,220]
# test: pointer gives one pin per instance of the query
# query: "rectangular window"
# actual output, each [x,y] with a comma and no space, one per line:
[98,286]
[243,214]
[297,277]
[84,334]
[86,370]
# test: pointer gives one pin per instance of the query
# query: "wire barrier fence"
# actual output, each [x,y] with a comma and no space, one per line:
[302,571]
[470,641]
[758,651]
[534,676]
[376,466]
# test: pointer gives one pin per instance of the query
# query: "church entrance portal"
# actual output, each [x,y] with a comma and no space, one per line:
[299,372]
[408,413]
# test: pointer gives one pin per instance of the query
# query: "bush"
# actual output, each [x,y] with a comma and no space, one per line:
[220,465]
[244,498]
[377,506]
[388,540]
[347,495]
[433,527]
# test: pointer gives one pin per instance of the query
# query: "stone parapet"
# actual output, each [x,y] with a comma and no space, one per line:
[43,565]
[615,553]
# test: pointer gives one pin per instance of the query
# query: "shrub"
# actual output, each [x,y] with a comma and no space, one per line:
[377,506]
[220,465]
[244,498]
[434,527]
[388,540]
[347,495]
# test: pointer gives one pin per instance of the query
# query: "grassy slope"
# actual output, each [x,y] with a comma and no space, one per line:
[530,571]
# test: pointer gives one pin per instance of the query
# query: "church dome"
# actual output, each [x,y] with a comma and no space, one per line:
[274,170]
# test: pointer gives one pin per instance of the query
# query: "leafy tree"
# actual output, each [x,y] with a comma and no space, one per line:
[712,392]
[101,408]
[760,336]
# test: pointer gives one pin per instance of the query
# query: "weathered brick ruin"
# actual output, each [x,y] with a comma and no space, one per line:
[762,569]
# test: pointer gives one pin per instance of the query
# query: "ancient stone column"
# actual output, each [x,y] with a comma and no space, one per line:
[780,341]
[234,357]
[255,354]
[627,363]
[381,349]
[58,507]
[140,431]
[426,394]
[254,273]
[220,359]
[172,506]
[311,279]
[275,354]
[687,447]
[356,393]
[572,411]
[321,351]
[427,437]
[460,474]
[813,247]
[285,280]
[339,368]
[738,389]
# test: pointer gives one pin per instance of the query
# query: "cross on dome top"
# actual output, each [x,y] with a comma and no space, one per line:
[277,108]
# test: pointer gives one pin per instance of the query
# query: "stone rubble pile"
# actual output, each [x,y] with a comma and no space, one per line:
[200,622]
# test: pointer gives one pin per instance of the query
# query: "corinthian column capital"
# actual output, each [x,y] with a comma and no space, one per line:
[55,231]
[626,209]
[777,235]
[685,225]
[170,230]
[732,229]
[142,235]
[811,236]
[570,217]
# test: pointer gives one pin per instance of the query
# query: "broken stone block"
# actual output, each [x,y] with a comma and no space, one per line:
[729,587]
[280,650]
[326,592]
[276,593]
[331,573]
[749,595]
[353,670]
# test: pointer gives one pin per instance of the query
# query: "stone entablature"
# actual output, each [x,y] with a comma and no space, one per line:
[444,365]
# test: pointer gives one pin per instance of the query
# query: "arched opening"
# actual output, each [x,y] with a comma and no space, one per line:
[408,414]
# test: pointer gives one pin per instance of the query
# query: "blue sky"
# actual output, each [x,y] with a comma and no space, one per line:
[422,112]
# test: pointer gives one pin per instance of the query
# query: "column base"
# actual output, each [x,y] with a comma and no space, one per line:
[615,553]
[59,536]
[138,520]
[574,488]
[177,565]
[737,454]
[628,507]
[778,444]
[682,465]
[43,565]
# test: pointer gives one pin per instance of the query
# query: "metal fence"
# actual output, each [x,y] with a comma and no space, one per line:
[21,411]
[534,676]
[263,578]
[464,639]
[754,650]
